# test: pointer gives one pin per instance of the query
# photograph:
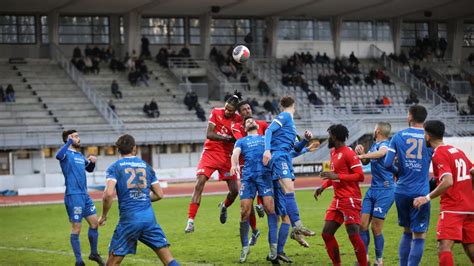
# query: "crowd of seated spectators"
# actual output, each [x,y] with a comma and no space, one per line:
[412,99]
[225,63]
[164,54]
[192,102]
[7,95]
[151,109]
[90,61]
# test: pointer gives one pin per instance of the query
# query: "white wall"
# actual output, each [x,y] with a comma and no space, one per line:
[288,47]
[361,49]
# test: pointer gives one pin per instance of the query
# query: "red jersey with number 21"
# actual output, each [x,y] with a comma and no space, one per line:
[223,128]
[343,161]
[448,160]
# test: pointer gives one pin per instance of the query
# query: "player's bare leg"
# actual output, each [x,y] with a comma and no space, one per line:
[245,206]
[292,208]
[444,252]
[377,226]
[332,247]
[195,201]
[114,259]
[93,236]
[165,256]
[469,249]
[233,186]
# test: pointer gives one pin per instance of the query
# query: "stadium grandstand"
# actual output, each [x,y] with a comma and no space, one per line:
[156,69]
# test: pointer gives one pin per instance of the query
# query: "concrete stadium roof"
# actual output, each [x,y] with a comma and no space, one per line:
[350,9]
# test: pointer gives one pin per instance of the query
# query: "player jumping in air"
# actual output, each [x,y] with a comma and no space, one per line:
[413,181]
[379,198]
[216,157]
[78,202]
[346,173]
[254,178]
[136,185]
[454,174]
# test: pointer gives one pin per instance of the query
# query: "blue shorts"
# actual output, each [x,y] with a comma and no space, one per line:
[282,166]
[377,202]
[79,206]
[416,219]
[249,188]
[279,199]
[126,235]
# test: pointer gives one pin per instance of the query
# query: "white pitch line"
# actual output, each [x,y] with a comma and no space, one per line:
[70,254]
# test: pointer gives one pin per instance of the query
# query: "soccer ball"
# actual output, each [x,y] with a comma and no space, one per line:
[241,54]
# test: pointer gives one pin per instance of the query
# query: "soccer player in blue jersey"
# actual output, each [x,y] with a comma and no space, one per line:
[254,178]
[136,185]
[379,198]
[279,143]
[414,157]
[78,202]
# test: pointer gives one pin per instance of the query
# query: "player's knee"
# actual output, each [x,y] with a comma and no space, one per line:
[444,246]
[352,229]
[76,228]
[376,228]
[234,192]
[269,208]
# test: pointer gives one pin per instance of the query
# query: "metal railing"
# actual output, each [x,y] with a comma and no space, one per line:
[101,105]
[183,67]
[417,85]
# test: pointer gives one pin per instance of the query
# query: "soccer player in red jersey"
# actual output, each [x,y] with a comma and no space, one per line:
[216,157]
[345,175]
[454,174]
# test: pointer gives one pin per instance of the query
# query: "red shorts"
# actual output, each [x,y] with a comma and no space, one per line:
[346,210]
[456,226]
[213,161]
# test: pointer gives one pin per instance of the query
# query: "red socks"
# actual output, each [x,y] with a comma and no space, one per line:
[228,202]
[332,248]
[253,221]
[359,249]
[446,258]
[259,200]
[193,209]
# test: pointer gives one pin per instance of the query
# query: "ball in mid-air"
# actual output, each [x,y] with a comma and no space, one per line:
[241,54]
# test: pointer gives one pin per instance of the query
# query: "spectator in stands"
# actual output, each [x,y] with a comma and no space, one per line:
[369,80]
[76,53]
[442,45]
[267,105]
[453,99]
[145,48]
[116,65]
[111,105]
[109,53]
[313,98]
[470,59]
[403,58]
[88,64]
[96,52]
[2,94]
[87,51]
[200,112]
[254,103]
[134,55]
[386,80]
[131,64]
[115,90]
[245,81]
[95,65]
[146,110]
[10,94]
[326,59]
[353,59]
[153,108]
[229,70]
[308,59]
[412,99]
[386,101]
[263,88]
[470,104]
[190,100]
[184,52]
[379,101]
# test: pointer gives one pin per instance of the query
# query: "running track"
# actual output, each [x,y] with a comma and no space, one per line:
[173,190]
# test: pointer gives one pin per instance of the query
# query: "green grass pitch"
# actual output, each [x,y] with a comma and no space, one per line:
[39,235]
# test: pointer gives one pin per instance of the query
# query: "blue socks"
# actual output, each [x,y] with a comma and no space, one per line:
[282,237]
[244,233]
[416,251]
[76,247]
[292,208]
[173,263]
[272,228]
[379,243]
[365,236]
[93,239]
[404,248]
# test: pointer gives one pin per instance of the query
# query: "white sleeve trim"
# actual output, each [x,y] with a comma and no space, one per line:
[390,149]
[278,122]
[111,178]
[444,174]
[210,122]
[356,165]
[157,181]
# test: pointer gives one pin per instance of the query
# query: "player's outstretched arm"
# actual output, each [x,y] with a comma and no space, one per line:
[445,184]
[156,192]
[389,158]
[61,154]
[375,155]
[235,169]
[107,199]
[216,137]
